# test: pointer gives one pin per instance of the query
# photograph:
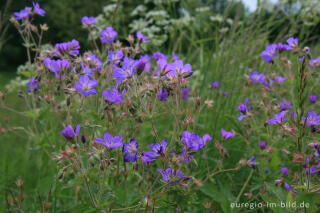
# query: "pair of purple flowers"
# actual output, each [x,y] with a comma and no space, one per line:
[56,66]
[260,78]
[157,150]
[272,50]
[28,13]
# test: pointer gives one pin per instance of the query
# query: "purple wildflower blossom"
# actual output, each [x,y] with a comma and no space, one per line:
[182,69]
[86,86]
[127,70]
[115,58]
[37,9]
[130,151]
[174,56]
[159,148]
[170,175]
[32,85]
[313,99]
[23,14]
[52,66]
[163,94]
[278,118]
[113,96]
[284,171]
[252,162]
[257,77]
[88,20]
[148,157]
[69,133]
[280,79]
[94,61]
[185,93]
[193,141]
[226,135]
[143,64]
[282,47]
[262,144]
[142,38]
[110,142]
[215,84]
[159,55]
[70,47]
[285,104]
[313,119]
[292,43]
[287,186]
[270,52]
[315,62]
[225,93]
[313,169]
[108,35]
[243,109]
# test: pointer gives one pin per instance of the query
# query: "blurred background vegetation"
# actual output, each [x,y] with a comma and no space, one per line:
[220,38]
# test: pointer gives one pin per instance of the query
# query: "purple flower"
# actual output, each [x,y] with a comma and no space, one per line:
[32,85]
[193,141]
[63,64]
[163,94]
[159,55]
[292,43]
[280,79]
[110,142]
[142,38]
[215,84]
[52,65]
[262,144]
[113,96]
[313,169]
[171,176]
[282,47]
[94,61]
[284,171]
[182,69]
[159,148]
[148,157]
[127,70]
[130,150]
[313,99]
[37,9]
[278,118]
[70,47]
[226,135]
[225,93]
[185,93]
[69,133]
[143,64]
[285,104]
[243,109]
[108,35]
[270,52]
[88,20]
[86,86]
[315,62]
[286,185]
[23,14]
[174,56]
[115,58]
[313,119]
[257,77]
[252,162]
